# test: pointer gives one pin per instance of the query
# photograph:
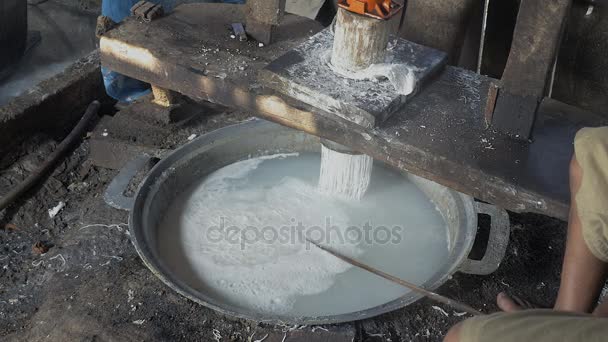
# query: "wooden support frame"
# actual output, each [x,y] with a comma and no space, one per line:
[440,135]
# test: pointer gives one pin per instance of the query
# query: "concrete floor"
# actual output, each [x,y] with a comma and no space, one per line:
[67,34]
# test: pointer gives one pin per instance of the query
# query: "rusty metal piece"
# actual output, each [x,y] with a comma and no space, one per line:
[490,104]
[147,11]
[379,9]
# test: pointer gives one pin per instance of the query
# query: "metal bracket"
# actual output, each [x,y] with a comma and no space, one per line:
[114,195]
[500,230]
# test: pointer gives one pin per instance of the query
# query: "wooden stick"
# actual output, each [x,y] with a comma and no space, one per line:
[429,294]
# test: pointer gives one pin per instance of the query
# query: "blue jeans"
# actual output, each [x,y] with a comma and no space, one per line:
[121,87]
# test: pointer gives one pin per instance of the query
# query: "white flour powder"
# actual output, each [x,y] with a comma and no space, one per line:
[402,76]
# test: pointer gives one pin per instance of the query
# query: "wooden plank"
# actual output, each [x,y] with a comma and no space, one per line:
[305,74]
[439,135]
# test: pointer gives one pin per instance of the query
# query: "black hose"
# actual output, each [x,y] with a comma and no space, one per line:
[62,149]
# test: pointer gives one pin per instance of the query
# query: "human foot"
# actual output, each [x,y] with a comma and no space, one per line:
[513,303]
[601,310]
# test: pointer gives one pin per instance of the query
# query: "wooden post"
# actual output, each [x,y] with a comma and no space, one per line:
[359,41]
[536,41]
[164,97]
[263,16]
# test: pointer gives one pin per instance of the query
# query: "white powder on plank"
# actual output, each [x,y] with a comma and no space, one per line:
[402,76]
[265,274]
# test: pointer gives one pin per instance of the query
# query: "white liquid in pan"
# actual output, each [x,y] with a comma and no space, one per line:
[234,236]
